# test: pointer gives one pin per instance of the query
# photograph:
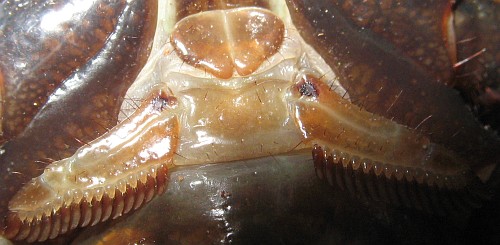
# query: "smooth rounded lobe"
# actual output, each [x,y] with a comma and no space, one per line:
[224,41]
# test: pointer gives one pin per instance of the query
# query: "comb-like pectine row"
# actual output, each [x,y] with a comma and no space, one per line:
[91,209]
[409,187]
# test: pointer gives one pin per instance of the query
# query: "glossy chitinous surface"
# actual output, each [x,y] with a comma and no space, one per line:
[369,90]
[100,46]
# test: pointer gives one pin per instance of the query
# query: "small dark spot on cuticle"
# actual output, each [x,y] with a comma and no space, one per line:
[308,88]
[162,102]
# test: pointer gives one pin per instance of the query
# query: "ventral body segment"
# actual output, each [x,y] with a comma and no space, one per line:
[228,85]
[177,113]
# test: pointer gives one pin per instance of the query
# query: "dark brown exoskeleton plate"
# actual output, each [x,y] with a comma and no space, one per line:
[368,86]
